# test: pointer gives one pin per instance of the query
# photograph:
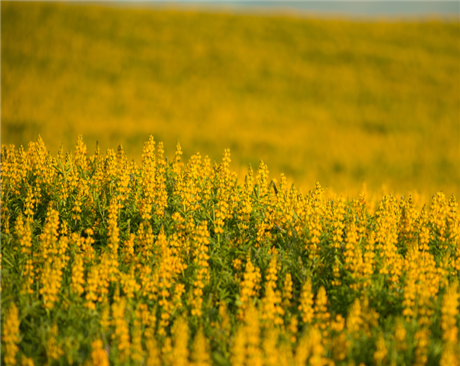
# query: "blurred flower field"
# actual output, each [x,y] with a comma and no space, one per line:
[331,100]
[174,262]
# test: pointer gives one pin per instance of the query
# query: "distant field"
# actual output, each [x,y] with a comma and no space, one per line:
[337,101]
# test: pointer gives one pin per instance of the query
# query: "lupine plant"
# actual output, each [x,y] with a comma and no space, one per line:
[105,261]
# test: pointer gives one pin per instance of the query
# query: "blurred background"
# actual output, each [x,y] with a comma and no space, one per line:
[337,92]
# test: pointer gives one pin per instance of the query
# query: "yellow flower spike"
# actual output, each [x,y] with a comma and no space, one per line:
[98,354]
[400,336]
[450,355]
[10,335]
[53,349]
[124,174]
[254,355]
[121,332]
[148,179]
[316,209]
[303,350]
[11,177]
[137,352]
[113,231]
[26,361]
[50,283]
[317,349]
[92,287]
[180,335]
[272,312]
[105,320]
[149,282]
[4,218]
[107,273]
[424,231]
[201,237]
[201,350]
[129,283]
[306,302]
[166,352]
[270,347]
[386,238]
[354,321]
[452,222]
[381,351]
[86,245]
[177,163]
[128,249]
[438,215]
[262,182]
[161,196]
[80,154]
[340,346]
[353,258]
[293,328]
[368,265]
[153,353]
[49,237]
[408,220]
[287,291]
[247,286]
[421,350]
[449,327]
[336,273]
[78,276]
[238,349]
[24,235]
[369,316]
[337,223]
[286,356]
[245,204]
[145,241]
[322,316]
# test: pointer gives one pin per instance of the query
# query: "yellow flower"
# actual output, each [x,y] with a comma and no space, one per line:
[78,276]
[92,287]
[400,336]
[201,237]
[51,284]
[53,349]
[381,351]
[322,316]
[449,312]
[421,350]
[238,349]
[180,334]
[121,331]
[98,354]
[306,302]
[254,355]
[153,353]
[200,354]
[10,335]
[247,286]
[272,311]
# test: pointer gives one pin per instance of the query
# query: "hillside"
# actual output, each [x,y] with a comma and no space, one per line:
[337,101]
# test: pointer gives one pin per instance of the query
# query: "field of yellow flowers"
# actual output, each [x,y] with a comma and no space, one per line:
[107,261]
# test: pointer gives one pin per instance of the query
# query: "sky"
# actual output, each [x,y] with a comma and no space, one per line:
[350,8]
